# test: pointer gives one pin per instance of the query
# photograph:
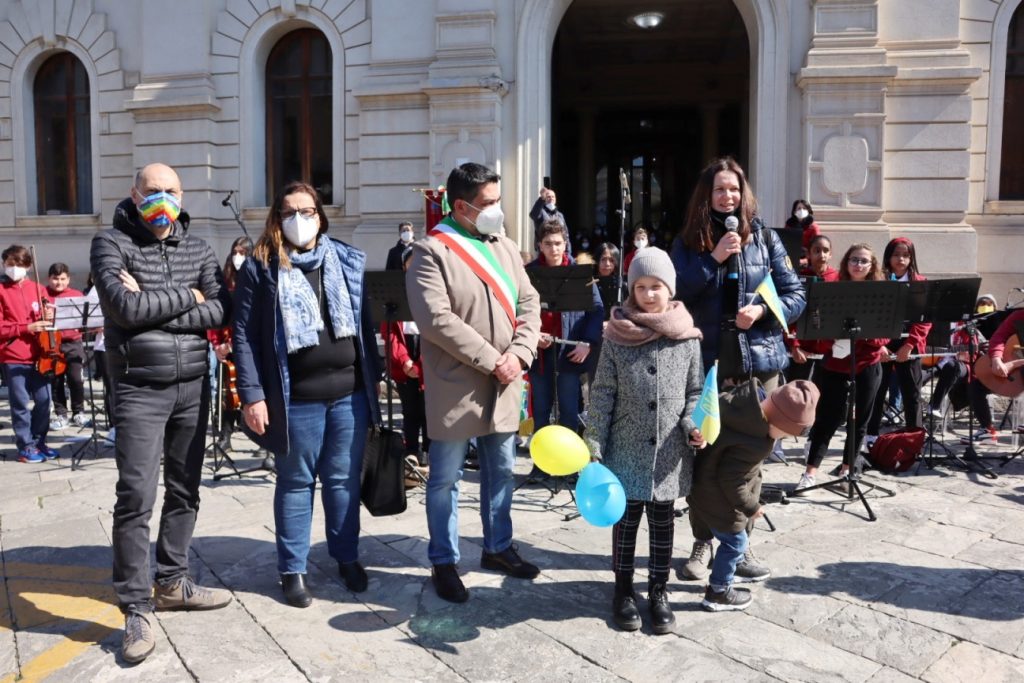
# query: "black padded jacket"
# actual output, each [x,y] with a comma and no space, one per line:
[156,335]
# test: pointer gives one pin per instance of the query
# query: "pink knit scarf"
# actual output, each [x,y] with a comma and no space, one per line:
[630,326]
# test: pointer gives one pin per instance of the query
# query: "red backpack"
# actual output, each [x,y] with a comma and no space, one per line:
[896,451]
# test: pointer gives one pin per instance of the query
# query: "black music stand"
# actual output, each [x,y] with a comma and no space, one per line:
[562,288]
[793,240]
[389,303]
[84,314]
[941,302]
[221,458]
[852,311]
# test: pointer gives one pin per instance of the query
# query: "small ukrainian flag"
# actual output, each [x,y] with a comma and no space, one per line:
[770,296]
[706,415]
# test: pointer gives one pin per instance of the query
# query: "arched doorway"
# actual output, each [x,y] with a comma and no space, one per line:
[655,93]
[764,131]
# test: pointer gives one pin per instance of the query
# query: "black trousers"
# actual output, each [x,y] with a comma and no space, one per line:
[155,420]
[74,356]
[414,416]
[661,530]
[832,409]
[909,377]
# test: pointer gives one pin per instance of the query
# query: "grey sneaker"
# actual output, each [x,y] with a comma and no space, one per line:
[730,599]
[749,570]
[139,640]
[696,567]
[187,595]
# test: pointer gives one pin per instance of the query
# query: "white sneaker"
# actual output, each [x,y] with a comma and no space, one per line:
[80,420]
[58,423]
[111,435]
[935,412]
[868,442]
[806,482]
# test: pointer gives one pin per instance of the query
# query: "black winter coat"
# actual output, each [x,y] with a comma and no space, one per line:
[157,335]
[727,474]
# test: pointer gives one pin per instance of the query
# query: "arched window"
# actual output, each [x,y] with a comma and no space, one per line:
[60,97]
[1011,173]
[299,112]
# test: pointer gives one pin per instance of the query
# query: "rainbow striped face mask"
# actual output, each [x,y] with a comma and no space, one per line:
[160,209]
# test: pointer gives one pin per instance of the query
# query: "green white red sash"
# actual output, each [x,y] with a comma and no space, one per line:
[478,256]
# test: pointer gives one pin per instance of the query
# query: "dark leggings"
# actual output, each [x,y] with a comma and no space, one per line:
[661,529]
[414,416]
[832,409]
[909,377]
[74,356]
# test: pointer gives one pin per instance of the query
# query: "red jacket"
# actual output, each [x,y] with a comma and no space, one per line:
[917,334]
[19,306]
[1006,329]
[398,353]
[869,352]
[66,335]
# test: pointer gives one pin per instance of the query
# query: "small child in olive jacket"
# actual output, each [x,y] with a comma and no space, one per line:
[727,475]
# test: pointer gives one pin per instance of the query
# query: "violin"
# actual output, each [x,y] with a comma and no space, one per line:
[51,361]
[231,401]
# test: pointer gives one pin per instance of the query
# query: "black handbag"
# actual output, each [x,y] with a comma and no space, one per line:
[383,483]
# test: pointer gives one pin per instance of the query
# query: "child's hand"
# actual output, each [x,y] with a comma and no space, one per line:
[759,513]
[697,439]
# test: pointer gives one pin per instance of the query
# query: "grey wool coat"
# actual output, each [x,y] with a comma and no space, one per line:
[638,422]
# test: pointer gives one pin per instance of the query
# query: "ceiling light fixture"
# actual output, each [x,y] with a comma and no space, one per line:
[647,20]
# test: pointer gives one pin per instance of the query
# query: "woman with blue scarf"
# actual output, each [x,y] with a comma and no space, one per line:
[306,359]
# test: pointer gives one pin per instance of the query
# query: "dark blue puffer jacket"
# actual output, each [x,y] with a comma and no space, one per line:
[699,286]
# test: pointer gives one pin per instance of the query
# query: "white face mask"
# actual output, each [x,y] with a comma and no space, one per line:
[490,220]
[15,273]
[801,214]
[405,236]
[640,244]
[300,230]
[550,206]
[238,260]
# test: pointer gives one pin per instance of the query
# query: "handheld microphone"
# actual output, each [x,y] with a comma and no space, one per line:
[732,266]
[227,200]
[624,186]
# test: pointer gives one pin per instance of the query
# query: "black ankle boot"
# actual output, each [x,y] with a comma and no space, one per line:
[296,593]
[624,611]
[662,619]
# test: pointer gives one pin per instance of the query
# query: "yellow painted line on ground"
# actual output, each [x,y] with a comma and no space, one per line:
[103,623]
[60,593]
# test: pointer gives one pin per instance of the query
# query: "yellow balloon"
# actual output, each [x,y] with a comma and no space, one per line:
[559,451]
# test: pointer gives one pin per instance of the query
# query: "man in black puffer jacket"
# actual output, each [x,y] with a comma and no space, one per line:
[160,290]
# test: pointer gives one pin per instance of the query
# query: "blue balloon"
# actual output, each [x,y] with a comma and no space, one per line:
[599,495]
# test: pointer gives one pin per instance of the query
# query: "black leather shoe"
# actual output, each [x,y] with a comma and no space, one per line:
[662,619]
[448,584]
[354,576]
[295,591]
[509,562]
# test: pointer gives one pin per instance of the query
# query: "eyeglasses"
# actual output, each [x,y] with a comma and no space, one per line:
[857,261]
[307,212]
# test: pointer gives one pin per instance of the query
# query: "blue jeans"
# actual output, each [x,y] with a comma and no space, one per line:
[326,440]
[497,456]
[730,551]
[542,383]
[25,384]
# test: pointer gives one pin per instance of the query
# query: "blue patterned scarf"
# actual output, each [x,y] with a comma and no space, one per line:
[299,306]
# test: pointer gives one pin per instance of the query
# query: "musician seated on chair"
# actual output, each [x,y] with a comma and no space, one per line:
[570,360]
[956,377]
[22,312]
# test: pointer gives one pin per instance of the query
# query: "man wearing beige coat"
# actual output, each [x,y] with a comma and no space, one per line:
[479,320]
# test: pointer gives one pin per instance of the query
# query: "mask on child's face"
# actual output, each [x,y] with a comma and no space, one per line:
[986,308]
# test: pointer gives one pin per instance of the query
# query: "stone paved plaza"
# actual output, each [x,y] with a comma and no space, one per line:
[933,590]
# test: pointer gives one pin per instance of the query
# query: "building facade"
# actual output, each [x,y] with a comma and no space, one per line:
[889,116]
